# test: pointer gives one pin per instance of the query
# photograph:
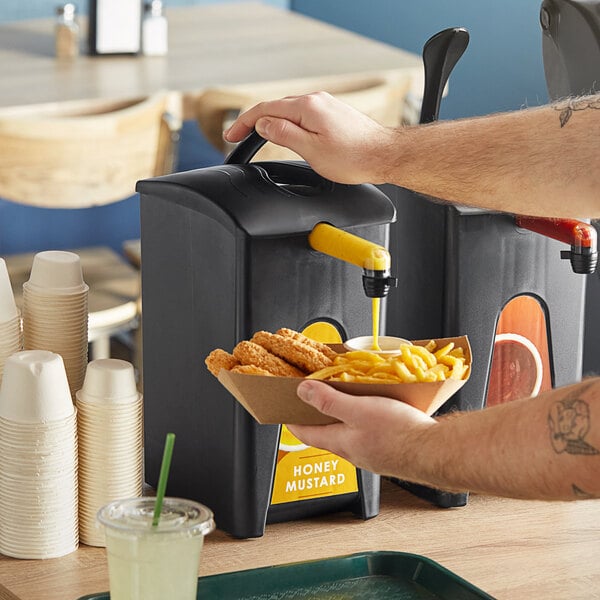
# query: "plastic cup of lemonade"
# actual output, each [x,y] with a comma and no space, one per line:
[147,562]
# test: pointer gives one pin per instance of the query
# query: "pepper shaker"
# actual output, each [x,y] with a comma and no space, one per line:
[154,30]
[66,32]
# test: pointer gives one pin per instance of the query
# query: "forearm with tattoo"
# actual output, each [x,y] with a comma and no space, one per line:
[543,448]
[569,424]
[567,107]
[524,162]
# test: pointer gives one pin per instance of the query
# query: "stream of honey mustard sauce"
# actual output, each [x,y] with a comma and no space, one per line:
[378,260]
[376,304]
[356,250]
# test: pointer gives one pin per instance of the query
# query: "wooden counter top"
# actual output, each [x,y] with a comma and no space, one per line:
[512,549]
[208,45]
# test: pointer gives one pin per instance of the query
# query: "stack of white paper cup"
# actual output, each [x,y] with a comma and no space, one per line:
[55,311]
[11,337]
[38,468]
[110,429]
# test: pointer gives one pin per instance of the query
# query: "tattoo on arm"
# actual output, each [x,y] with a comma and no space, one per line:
[567,107]
[569,423]
[579,493]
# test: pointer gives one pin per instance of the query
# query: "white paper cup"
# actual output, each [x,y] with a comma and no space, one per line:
[57,272]
[11,340]
[120,423]
[110,459]
[52,302]
[8,308]
[35,388]
[48,550]
[110,434]
[38,471]
[40,433]
[8,327]
[389,344]
[109,379]
[11,333]
[46,494]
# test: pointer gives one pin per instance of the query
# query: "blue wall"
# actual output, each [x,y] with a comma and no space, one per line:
[14,10]
[502,68]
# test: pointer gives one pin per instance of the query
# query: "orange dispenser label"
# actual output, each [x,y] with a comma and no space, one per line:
[303,472]
[521,360]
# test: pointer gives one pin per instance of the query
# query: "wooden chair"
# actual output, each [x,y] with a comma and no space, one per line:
[81,155]
[379,96]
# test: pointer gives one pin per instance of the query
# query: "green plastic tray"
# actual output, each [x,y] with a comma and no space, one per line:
[368,576]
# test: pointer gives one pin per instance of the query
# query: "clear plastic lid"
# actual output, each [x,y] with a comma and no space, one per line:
[178,515]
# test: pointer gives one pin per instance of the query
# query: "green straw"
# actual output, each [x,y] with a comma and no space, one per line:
[163,477]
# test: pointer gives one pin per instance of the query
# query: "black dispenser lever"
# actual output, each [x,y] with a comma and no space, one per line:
[242,154]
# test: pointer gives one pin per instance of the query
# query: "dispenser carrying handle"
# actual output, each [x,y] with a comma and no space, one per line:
[242,154]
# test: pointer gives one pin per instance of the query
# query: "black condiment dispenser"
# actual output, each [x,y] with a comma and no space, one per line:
[225,253]
[495,277]
[571,49]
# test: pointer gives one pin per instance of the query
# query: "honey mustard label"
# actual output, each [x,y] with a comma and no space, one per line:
[303,472]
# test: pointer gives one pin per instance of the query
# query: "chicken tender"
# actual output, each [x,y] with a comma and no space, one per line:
[249,353]
[219,359]
[291,350]
[250,370]
[326,350]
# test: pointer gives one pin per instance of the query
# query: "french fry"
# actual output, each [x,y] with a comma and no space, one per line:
[451,361]
[443,351]
[372,379]
[408,357]
[442,371]
[345,376]
[360,356]
[430,345]
[412,364]
[419,362]
[458,352]
[425,375]
[402,371]
[422,352]
[458,371]
[388,368]
[328,372]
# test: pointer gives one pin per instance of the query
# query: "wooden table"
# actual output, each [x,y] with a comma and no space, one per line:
[208,45]
[512,549]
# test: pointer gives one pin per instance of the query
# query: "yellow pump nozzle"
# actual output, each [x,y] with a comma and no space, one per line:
[375,260]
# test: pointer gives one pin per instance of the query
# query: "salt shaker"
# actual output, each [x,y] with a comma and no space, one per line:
[66,32]
[154,30]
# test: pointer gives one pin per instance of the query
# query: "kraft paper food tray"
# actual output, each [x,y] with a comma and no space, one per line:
[273,400]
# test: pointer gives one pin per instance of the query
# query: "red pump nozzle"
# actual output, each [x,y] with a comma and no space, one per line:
[581,236]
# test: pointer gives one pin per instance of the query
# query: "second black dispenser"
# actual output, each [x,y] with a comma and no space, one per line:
[493,276]
[225,253]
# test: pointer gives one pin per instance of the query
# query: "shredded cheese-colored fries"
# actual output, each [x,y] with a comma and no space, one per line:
[412,364]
